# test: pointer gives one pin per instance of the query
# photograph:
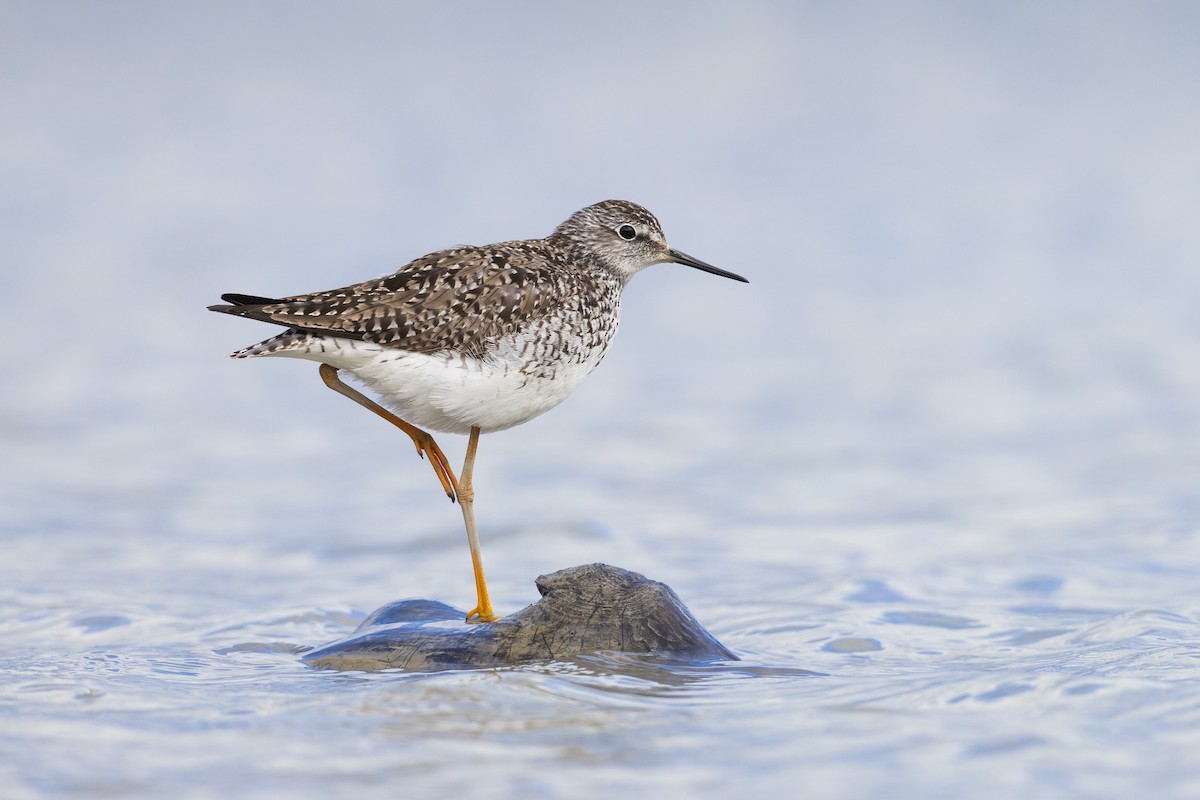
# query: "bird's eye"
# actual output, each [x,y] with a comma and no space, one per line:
[627,233]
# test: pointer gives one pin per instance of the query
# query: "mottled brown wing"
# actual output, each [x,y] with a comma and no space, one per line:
[454,299]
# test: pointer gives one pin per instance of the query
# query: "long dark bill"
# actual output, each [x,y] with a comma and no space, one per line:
[688,261]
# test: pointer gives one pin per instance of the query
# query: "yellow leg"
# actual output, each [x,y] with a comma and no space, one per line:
[423,441]
[466,499]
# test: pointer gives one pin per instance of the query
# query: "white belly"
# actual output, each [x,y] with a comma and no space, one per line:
[452,393]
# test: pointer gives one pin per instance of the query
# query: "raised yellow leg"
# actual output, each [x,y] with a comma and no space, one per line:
[423,441]
[466,499]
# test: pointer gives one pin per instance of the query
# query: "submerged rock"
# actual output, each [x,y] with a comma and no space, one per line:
[587,609]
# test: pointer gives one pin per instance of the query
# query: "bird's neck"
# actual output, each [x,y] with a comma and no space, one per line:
[575,252]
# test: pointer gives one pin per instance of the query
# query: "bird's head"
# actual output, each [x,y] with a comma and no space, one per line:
[624,237]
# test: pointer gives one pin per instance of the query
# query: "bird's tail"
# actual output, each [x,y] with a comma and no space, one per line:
[287,342]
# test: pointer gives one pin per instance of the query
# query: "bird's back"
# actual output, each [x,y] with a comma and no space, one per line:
[463,300]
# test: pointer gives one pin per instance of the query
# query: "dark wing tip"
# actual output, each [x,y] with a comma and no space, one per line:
[244,305]
[247,299]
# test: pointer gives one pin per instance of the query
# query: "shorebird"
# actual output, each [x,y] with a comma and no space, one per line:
[473,340]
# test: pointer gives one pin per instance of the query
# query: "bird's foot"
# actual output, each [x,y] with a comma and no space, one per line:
[486,615]
[437,459]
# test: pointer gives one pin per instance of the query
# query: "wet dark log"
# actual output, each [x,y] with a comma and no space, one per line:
[588,609]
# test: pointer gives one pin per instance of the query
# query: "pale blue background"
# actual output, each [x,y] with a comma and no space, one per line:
[943,448]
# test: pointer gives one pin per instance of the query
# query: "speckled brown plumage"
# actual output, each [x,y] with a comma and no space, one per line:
[460,300]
